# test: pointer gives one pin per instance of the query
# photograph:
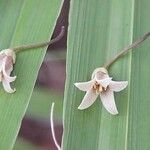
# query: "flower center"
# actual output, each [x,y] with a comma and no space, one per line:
[98,88]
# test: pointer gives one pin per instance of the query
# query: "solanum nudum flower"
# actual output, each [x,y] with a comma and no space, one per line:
[7,59]
[101,85]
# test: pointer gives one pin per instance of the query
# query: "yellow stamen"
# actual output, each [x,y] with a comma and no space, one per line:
[98,88]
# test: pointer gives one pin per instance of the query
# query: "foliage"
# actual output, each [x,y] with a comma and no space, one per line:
[98,30]
[23,22]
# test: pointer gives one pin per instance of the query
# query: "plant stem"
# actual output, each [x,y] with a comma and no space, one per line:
[126,50]
[39,45]
[52,127]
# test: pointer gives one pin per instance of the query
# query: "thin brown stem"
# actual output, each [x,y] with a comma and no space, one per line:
[126,50]
[39,45]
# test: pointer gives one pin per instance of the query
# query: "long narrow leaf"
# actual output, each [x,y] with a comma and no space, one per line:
[98,30]
[23,22]
[139,101]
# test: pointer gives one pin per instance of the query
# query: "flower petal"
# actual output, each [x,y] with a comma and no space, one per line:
[100,73]
[2,56]
[105,82]
[7,87]
[8,78]
[7,67]
[10,53]
[118,85]
[84,86]
[108,101]
[88,100]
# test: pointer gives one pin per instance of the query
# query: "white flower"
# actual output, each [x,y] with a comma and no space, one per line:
[101,85]
[7,59]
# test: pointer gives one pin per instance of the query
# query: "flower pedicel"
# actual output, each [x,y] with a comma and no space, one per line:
[8,58]
[102,85]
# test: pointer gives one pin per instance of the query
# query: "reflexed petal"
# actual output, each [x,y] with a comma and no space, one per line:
[105,82]
[8,78]
[100,73]
[118,86]
[7,87]
[1,76]
[88,99]
[108,101]
[7,67]
[2,56]
[84,86]
[10,53]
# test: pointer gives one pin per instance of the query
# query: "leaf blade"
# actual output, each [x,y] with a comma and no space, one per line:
[35,24]
[98,30]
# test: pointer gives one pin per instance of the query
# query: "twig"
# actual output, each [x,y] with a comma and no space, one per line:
[126,50]
[39,45]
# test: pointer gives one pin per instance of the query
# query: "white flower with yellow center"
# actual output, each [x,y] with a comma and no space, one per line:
[101,85]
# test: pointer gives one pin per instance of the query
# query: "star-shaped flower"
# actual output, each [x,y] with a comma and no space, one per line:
[101,85]
[7,59]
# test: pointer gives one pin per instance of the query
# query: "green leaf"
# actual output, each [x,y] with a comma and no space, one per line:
[23,22]
[139,100]
[98,30]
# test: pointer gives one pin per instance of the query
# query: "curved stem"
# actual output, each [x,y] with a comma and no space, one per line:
[52,127]
[39,45]
[126,50]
